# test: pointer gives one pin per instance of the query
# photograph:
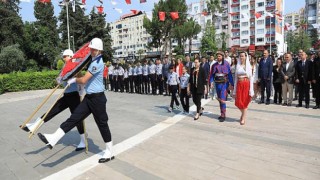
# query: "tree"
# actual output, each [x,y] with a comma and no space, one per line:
[11,59]
[314,36]
[208,41]
[214,6]
[99,28]
[164,29]
[78,26]
[298,41]
[11,26]
[222,39]
[140,52]
[192,29]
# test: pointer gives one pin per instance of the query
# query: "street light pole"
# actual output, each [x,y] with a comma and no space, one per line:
[270,36]
[73,43]
[67,7]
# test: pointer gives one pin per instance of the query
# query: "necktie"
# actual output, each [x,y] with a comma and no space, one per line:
[302,64]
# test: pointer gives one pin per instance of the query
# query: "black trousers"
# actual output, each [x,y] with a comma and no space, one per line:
[115,83]
[111,82]
[159,84]
[69,100]
[277,92]
[184,99]
[317,92]
[174,89]
[95,104]
[126,84]
[105,83]
[165,85]
[131,80]
[265,85]
[120,83]
[152,78]
[304,92]
[196,97]
[138,84]
[145,86]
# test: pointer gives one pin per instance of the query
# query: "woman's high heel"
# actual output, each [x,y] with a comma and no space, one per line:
[201,111]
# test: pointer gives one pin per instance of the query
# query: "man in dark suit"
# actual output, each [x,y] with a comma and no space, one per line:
[304,76]
[264,76]
[316,82]
[287,79]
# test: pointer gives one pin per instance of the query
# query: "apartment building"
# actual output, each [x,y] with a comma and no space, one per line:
[129,36]
[252,33]
[312,14]
[295,18]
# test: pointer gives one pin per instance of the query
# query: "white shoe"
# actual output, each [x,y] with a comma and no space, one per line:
[82,144]
[51,139]
[32,126]
[108,154]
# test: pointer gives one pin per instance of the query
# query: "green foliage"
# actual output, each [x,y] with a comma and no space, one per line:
[24,81]
[222,39]
[31,65]
[11,26]
[11,59]
[180,57]
[208,41]
[60,64]
[298,41]
[214,6]
[314,37]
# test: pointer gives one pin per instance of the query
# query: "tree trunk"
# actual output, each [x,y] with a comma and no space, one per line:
[190,44]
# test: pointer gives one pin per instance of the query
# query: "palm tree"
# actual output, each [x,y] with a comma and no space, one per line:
[192,28]
[223,37]
[214,6]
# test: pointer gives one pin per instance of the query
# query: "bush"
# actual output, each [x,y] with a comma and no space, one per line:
[31,65]
[11,59]
[24,81]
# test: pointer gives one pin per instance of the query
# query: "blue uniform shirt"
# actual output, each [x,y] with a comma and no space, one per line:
[184,80]
[159,69]
[152,69]
[95,83]
[72,88]
[173,79]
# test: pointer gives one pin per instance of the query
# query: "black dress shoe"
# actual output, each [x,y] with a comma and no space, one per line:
[284,104]
[316,107]
[104,160]
[221,119]
[261,102]
[80,148]
[268,102]
[307,106]
[44,139]
[299,105]
[25,128]
[289,105]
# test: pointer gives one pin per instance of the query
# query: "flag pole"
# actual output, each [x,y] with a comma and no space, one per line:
[67,7]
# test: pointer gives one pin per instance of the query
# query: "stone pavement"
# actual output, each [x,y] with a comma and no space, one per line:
[276,143]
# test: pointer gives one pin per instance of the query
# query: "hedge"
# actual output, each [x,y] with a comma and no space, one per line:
[24,81]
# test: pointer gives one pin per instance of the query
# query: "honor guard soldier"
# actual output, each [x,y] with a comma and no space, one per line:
[70,99]
[152,77]
[159,77]
[111,77]
[139,77]
[120,77]
[130,76]
[115,78]
[126,80]
[94,102]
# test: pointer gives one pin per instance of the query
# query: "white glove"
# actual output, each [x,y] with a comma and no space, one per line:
[58,79]
[71,81]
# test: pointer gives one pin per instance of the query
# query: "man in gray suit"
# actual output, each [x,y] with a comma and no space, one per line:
[287,79]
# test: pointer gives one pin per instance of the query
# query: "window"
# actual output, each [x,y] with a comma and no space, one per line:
[235,17]
[244,24]
[244,41]
[260,31]
[260,4]
[252,33]
[260,22]
[260,39]
[244,32]
[244,7]
[235,34]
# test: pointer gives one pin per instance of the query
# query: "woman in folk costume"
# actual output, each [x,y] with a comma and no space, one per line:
[243,85]
[221,74]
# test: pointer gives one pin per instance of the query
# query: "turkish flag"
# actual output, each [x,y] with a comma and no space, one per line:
[162,16]
[205,13]
[83,1]
[44,1]
[134,11]
[100,9]
[174,15]
[258,15]
[128,1]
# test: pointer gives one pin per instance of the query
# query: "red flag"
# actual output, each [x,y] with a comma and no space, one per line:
[232,14]
[82,52]
[68,67]
[162,16]
[143,1]
[258,15]
[44,1]
[83,1]
[134,11]
[174,15]
[100,9]
[205,13]
[128,1]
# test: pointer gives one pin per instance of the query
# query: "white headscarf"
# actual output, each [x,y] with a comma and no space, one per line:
[247,66]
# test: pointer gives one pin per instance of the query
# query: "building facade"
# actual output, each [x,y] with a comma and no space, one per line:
[252,29]
[312,14]
[295,18]
[129,36]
